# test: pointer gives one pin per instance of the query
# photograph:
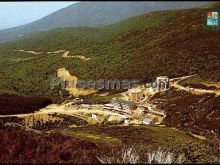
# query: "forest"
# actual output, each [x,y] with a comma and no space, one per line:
[140,47]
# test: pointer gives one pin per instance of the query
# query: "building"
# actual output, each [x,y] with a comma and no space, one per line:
[108,106]
[142,109]
[136,94]
[122,105]
[119,106]
[94,116]
[151,108]
[161,84]
[147,121]
[127,120]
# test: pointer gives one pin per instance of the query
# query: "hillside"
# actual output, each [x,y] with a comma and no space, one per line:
[39,124]
[84,144]
[88,14]
[195,112]
[209,81]
[141,47]
[198,114]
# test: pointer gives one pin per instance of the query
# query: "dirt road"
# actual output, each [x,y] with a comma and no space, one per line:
[67,109]
[64,55]
[81,57]
[195,91]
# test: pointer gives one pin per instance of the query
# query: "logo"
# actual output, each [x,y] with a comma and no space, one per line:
[212,19]
[93,84]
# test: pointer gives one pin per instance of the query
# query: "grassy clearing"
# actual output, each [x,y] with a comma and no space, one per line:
[166,135]
[142,136]
[199,82]
[92,137]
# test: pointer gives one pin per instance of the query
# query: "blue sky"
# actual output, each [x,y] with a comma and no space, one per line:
[19,13]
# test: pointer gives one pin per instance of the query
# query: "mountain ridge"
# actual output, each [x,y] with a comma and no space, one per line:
[88,14]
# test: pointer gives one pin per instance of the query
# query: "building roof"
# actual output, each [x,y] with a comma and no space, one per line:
[122,102]
[163,77]
[147,120]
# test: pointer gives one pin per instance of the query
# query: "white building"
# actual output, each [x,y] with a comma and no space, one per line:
[147,121]
[94,116]
[161,84]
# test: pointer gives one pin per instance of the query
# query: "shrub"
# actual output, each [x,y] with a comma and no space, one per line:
[127,155]
[164,157]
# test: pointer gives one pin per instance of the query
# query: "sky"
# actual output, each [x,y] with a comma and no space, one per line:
[19,13]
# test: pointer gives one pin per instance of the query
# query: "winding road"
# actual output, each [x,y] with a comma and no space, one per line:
[195,91]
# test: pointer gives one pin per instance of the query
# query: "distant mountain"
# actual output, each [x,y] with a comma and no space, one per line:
[92,14]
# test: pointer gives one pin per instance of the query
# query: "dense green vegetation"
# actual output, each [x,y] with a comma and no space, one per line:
[30,77]
[141,47]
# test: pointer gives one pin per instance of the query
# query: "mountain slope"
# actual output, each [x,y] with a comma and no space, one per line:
[92,14]
[159,45]
[192,111]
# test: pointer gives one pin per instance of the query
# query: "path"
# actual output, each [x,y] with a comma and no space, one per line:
[29,51]
[195,91]
[68,109]
[64,55]
[52,109]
